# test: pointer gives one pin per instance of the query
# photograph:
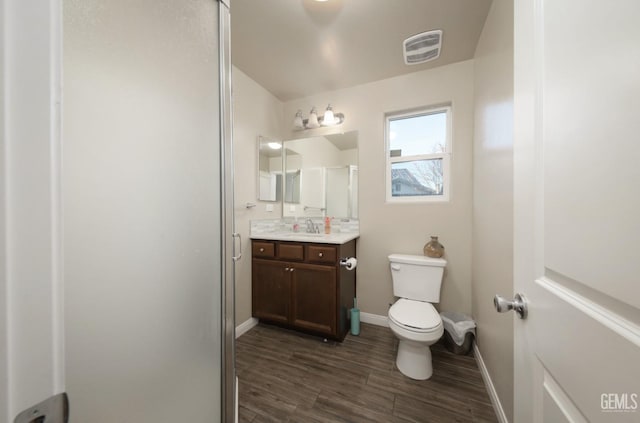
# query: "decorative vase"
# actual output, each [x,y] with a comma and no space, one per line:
[433,248]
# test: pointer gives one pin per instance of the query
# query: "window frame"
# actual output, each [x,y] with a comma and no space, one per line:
[445,156]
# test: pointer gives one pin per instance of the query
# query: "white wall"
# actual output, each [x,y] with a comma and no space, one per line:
[349,157]
[255,112]
[493,196]
[405,228]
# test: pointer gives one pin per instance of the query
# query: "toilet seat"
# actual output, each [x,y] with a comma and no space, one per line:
[415,316]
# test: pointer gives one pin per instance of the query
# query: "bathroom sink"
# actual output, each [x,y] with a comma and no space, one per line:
[333,238]
[304,234]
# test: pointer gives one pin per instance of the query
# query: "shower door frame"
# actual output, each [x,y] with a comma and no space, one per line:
[229,254]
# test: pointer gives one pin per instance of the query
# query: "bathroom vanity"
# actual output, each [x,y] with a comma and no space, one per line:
[296,277]
[298,282]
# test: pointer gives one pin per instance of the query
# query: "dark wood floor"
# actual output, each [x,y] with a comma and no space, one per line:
[286,376]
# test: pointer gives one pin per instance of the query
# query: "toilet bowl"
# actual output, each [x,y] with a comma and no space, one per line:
[417,325]
[412,318]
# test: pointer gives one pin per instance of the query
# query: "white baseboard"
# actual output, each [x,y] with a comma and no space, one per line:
[245,326]
[374,319]
[493,395]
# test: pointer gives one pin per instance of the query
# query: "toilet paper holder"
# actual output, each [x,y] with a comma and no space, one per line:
[349,262]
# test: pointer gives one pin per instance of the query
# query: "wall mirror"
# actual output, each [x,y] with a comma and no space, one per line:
[321,176]
[293,165]
[269,169]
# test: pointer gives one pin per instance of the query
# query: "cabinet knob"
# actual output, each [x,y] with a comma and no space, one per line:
[262,250]
[319,254]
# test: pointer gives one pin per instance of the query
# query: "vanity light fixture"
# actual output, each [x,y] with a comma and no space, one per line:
[298,124]
[329,118]
[312,122]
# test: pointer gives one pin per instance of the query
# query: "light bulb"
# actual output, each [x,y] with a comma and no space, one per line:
[328,119]
[313,119]
[297,121]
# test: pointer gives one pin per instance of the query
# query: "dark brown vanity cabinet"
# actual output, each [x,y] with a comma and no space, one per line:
[302,286]
[271,288]
[313,298]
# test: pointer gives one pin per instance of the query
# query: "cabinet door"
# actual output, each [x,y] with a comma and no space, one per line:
[314,297]
[271,290]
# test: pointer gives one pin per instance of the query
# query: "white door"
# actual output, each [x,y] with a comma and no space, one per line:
[116,268]
[577,210]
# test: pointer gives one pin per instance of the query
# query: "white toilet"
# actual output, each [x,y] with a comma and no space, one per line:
[413,319]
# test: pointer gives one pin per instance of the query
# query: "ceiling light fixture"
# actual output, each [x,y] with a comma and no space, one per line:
[329,118]
[274,145]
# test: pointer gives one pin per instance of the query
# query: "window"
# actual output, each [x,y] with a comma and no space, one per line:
[418,150]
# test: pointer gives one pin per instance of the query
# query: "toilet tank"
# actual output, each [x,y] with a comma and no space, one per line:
[417,277]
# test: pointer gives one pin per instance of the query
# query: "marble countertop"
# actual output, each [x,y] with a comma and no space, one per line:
[334,238]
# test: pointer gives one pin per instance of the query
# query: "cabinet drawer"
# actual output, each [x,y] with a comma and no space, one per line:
[291,251]
[263,249]
[320,254]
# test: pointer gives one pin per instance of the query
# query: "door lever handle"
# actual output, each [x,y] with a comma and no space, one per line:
[519,305]
[239,256]
[52,410]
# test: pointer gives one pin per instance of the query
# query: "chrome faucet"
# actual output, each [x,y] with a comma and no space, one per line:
[312,228]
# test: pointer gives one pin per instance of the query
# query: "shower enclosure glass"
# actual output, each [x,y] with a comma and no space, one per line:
[147,335]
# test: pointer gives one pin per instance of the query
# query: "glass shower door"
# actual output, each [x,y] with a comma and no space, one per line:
[143,214]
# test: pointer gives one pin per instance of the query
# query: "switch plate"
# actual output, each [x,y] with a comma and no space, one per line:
[269,207]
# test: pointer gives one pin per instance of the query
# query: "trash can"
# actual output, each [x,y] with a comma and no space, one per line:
[459,332]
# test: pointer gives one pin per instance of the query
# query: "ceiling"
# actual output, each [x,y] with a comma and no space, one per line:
[344,141]
[297,48]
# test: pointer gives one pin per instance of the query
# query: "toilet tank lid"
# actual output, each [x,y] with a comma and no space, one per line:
[419,260]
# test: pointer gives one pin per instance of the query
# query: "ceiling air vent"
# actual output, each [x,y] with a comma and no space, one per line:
[422,47]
